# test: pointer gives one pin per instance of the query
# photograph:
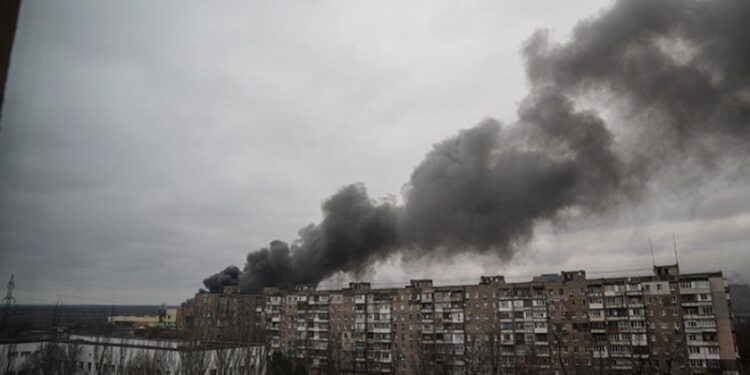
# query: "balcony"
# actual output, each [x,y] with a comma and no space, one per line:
[703,343]
[620,354]
[695,291]
[602,354]
[703,355]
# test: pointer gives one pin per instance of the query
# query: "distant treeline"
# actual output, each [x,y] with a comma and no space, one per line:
[86,317]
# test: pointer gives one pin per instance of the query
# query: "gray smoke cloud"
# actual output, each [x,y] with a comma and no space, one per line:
[677,74]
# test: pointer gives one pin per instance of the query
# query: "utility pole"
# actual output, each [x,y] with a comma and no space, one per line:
[674,241]
[9,301]
[653,257]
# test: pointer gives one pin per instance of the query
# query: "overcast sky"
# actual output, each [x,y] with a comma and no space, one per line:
[145,146]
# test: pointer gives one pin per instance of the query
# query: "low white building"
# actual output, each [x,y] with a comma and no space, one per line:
[101,355]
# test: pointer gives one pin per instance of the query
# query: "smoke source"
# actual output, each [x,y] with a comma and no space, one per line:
[678,73]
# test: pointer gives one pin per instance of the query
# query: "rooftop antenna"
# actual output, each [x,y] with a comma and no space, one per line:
[653,257]
[674,242]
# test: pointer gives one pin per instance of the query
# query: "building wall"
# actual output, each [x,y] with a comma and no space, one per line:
[223,316]
[668,323]
[100,355]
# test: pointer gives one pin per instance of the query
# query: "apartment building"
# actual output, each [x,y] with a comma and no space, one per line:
[665,323]
[224,316]
[304,324]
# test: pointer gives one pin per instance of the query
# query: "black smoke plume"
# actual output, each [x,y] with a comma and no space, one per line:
[674,73]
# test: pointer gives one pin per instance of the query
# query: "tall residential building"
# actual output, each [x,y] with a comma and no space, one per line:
[665,323]
[224,316]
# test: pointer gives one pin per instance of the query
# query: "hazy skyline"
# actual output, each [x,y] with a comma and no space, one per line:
[144,147]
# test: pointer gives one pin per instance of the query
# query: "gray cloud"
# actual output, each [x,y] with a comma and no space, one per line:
[487,188]
[145,144]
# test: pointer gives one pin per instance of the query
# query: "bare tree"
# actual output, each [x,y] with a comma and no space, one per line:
[71,352]
[225,356]
[7,363]
[194,357]
[530,359]
[148,362]
[742,335]
[397,360]
[251,347]
[251,358]
[475,357]
[559,334]
[416,360]
[103,356]
[675,356]
[54,358]
[122,356]
[482,355]
[58,355]
[335,355]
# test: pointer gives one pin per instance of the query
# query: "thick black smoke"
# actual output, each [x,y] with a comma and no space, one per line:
[676,73]
[217,281]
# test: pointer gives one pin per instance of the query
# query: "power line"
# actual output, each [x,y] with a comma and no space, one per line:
[101,300]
